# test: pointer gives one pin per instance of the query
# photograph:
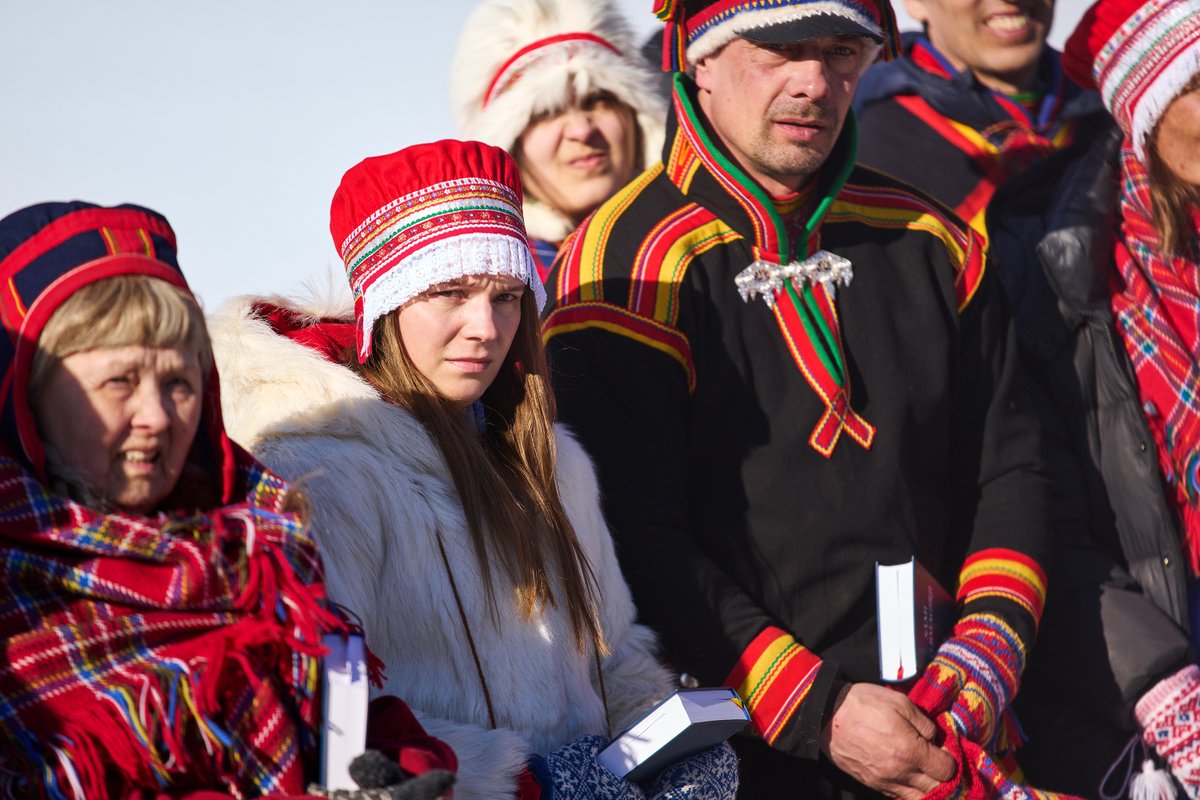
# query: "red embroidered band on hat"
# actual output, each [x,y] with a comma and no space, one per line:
[564,44]
[473,215]
[1141,54]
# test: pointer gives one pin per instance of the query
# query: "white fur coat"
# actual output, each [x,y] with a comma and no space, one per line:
[380,492]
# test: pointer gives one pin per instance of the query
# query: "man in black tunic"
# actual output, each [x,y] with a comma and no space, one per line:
[788,369]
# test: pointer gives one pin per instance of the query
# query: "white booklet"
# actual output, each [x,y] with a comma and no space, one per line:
[915,615]
[344,717]
[685,723]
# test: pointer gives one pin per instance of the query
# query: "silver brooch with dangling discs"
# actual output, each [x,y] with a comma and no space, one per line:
[762,278]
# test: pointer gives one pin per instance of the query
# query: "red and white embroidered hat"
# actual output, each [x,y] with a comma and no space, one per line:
[1140,54]
[426,215]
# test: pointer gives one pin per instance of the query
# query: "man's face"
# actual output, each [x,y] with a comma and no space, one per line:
[779,109]
[999,40]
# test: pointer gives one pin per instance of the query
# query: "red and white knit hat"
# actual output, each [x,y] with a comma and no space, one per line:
[1140,54]
[698,28]
[426,215]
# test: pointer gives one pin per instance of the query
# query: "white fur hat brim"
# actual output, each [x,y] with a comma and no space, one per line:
[498,29]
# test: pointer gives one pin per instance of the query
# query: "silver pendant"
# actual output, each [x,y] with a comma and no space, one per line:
[765,279]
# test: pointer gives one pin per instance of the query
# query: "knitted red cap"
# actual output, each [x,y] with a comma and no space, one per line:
[426,215]
[1140,54]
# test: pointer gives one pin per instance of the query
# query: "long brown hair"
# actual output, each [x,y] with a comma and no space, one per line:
[1172,199]
[1171,202]
[505,477]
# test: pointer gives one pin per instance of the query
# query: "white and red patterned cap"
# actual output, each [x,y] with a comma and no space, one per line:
[1140,54]
[427,215]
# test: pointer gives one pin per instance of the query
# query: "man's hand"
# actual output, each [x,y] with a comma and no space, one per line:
[879,738]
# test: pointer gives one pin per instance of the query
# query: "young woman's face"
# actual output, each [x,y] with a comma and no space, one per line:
[458,334]
[123,419]
[575,160]
[1178,137]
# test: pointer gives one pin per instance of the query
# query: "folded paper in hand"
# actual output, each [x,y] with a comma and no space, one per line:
[685,723]
[344,726]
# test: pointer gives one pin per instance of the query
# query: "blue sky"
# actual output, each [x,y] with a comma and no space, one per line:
[234,118]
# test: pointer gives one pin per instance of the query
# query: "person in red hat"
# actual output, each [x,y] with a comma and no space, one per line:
[1101,254]
[457,520]
[163,602]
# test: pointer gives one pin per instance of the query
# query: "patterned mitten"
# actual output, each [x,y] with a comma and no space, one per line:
[971,681]
[572,773]
[1169,715]
[710,775]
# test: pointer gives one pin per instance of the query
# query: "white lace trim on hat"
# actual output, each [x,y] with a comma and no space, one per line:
[444,261]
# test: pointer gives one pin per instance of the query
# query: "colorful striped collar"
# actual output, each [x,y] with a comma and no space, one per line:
[929,58]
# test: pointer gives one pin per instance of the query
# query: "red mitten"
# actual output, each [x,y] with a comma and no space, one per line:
[971,681]
[980,777]
[1169,715]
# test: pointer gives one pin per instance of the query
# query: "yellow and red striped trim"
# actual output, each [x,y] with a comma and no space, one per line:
[664,256]
[1003,573]
[773,676]
[621,321]
[880,207]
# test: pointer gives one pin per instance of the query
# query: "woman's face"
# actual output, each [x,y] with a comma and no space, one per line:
[458,334]
[575,160]
[1178,137]
[123,419]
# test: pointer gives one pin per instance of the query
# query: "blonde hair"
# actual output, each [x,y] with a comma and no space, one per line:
[120,311]
[505,476]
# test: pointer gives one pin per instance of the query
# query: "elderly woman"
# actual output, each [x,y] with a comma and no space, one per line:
[1108,318]
[457,520]
[561,86]
[162,608]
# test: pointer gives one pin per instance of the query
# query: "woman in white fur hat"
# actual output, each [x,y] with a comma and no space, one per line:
[561,86]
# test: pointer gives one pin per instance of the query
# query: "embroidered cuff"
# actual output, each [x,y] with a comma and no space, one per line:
[774,675]
[999,573]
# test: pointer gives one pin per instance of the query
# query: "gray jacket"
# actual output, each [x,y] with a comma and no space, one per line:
[1116,618]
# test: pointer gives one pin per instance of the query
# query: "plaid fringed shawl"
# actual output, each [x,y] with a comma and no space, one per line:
[160,654]
[1158,315]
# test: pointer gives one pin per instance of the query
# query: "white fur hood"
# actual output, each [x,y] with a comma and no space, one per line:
[382,501]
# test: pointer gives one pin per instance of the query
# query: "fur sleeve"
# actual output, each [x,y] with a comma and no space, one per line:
[351,525]
[634,679]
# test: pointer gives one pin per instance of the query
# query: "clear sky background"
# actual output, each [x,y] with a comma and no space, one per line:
[234,118]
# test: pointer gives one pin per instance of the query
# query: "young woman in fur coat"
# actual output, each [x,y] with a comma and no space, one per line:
[561,86]
[457,521]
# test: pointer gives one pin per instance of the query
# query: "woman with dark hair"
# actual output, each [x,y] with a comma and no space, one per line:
[456,519]
[161,602]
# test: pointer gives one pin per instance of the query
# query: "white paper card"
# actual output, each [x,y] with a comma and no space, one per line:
[344,730]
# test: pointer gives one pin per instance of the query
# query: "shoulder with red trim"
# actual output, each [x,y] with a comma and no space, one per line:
[881,202]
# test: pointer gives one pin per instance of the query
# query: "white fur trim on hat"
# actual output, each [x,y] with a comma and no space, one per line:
[448,260]
[497,29]
[724,32]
